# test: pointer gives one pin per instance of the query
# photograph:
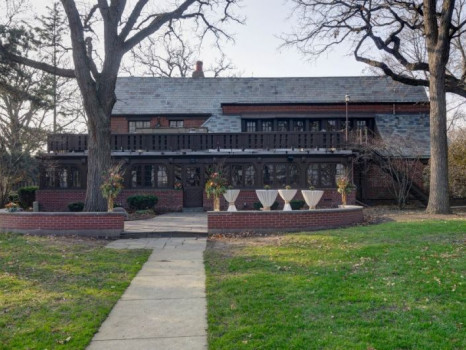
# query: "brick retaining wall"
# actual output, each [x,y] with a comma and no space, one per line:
[81,224]
[282,221]
[58,200]
[246,199]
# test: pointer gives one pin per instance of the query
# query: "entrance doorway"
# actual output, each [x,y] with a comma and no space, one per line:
[193,186]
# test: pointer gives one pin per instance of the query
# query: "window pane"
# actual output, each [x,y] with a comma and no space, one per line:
[313,175]
[361,124]
[293,175]
[280,175]
[249,176]
[148,178]
[162,176]
[339,171]
[282,125]
[267,125]
[314,125]
[50,177]
[326,175]
[193,176]
[63,178]
[136,177]
[331,125]
[176,123]
[250,126]
[132,127]
[237,175]
[75,178]
[299,125]
[268,174]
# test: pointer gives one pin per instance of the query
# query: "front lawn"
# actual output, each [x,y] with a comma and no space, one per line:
[55,292]
[387,286]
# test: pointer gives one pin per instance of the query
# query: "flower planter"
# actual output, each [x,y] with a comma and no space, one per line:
[266,197]
[287,196]
[230,197]
[312,197]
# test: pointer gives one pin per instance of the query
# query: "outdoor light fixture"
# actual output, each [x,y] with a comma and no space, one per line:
[347,99]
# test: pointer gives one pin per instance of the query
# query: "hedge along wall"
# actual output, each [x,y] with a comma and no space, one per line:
[282,221]
[81,224]
[58,200]
[246,199]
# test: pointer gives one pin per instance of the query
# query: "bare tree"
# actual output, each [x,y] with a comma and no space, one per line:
[378,29]
[398,158]
[172,56]
[123,29]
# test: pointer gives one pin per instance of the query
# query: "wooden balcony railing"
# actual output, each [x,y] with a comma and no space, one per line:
[62,143]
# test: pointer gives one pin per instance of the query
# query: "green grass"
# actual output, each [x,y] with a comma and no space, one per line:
[55,292]
[387,286]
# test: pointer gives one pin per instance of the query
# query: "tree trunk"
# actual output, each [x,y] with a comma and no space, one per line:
[99,159]
[438,193]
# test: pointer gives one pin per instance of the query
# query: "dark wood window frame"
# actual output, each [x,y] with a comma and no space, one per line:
[147,176]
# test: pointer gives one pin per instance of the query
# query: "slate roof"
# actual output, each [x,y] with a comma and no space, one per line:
[149,95]
[412,131]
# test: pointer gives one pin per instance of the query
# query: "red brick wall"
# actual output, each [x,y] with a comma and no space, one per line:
[376,108]
[280,221]
[119,125]
[330,199]
[378,184]
[80,223]
[58,200]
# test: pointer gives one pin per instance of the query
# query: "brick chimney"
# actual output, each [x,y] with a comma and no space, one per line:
[198,73]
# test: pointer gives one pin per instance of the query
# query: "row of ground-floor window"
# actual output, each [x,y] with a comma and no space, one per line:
[238,175]
[143,174]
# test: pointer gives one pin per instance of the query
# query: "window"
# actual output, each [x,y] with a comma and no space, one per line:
[329,125]
[237,175]
[360,124]
[314,125]
[134,126]
[249,176]
[282,125]
[149,176]
[251,126]
[240,175]
[75,178]
[268,174]
[327,177]
[322,174]
[176,123]
[63,177]
[313,175]
[267,125]
[280,175]
[162,176]
[298,125]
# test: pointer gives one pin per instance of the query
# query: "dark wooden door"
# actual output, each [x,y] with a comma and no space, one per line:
[193,185]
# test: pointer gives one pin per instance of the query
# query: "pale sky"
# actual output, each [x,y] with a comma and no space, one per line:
[256,52]
[256,48]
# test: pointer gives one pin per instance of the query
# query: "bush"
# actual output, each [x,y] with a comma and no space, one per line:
[76,206]
[258,205]
[26,196]
[13,197]
[142,201]
[297,204]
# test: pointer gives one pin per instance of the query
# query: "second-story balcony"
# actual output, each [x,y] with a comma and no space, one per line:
[64,143]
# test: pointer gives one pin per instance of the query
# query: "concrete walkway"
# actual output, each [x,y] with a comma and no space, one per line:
[165,305]
[172,223]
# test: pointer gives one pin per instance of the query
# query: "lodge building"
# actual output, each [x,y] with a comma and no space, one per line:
[263,131]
